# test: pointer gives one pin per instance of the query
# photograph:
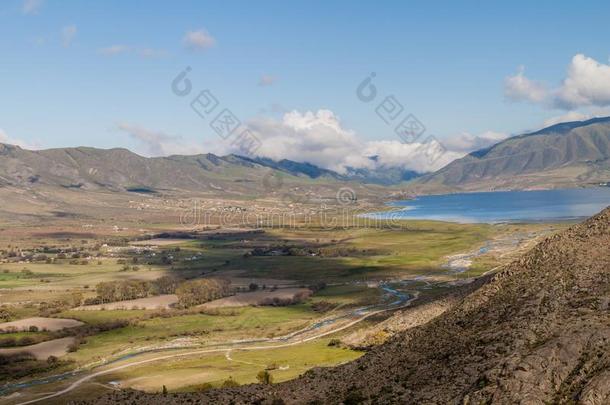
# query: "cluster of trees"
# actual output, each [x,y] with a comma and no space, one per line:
[191,292]
[271,251]
[6,313]
[79,332]
[282,302]
[264,377]
[21,364]
[319,286]
[333,251]
[22,341]
[53,307]
[323,306]
[18,365]
[111,291]
[48,254]
[200,291]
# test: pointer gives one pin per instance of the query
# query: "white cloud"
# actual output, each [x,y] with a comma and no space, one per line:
[157,143]
[114,50]
[267,80]
[320,139]
[31,6]
[577,116]
[4,138]
[568,117]
[466,142]
[413,156]
[67,35]
[520,88]
[198,40]
[587,83]
[317,138]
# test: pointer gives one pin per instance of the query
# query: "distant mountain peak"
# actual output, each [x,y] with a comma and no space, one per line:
[568,154]
[119,169]
[565,127]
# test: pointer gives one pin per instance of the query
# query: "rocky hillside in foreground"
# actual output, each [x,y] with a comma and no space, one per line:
[536,332]
[570,154]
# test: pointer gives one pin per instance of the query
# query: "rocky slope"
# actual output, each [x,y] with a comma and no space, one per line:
[564,155]
[536,332]
[418,314]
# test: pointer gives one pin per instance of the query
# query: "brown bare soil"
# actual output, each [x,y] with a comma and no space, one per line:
[50,324]
[42,351]
[156,302]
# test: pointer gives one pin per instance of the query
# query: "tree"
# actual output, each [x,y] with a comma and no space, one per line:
[76,299]
[264,377]
[253,287]
[109,291]
[195,292]
[165,285]
[105,291]
[6,314]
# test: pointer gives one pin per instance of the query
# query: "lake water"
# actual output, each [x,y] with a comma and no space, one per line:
[504,206]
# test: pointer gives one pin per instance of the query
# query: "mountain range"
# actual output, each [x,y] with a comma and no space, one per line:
[564,155]
[121,170]
[569,154]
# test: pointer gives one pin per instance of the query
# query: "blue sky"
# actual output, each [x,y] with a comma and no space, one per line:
[73,72]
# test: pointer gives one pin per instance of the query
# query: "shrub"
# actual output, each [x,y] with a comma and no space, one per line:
[6,314]
[202,387]
[8,342]
[334,342]
[264,377]
[230,382]
[74,346]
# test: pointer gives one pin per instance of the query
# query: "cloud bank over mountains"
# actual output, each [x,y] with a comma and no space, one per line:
[586,84]
[320,138]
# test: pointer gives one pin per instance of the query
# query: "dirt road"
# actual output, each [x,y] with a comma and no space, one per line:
[297,341]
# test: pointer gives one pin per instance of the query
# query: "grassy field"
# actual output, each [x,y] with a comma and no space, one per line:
[418,250]
[349,260]
[225,325]
[350,294]
[98,317]
[192,373]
